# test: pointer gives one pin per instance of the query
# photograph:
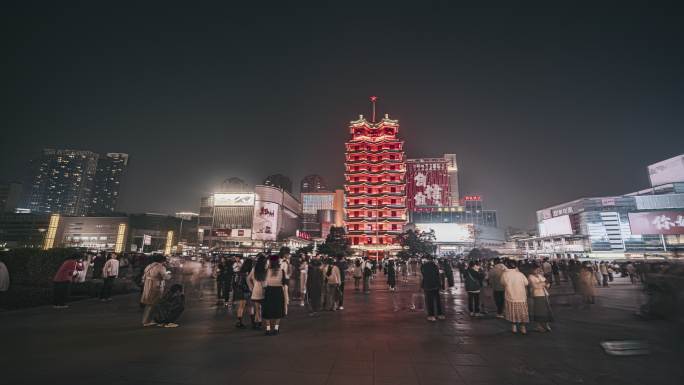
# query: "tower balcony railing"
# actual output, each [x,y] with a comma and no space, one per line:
[378,183]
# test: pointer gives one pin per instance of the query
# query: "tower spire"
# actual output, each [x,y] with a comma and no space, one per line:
[373,99]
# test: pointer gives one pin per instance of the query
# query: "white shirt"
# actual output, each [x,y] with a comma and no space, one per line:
[111,268]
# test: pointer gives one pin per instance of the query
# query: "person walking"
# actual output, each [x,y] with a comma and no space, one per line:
[332,276]
[220,274]
[603,268]
[430,285]
[555,269]
[242,292]
[343,266]
[585,284]
[4,277]
[391,275]
[256,281]
[473,286]
[303,277]
[547,269]
[497,287]
[154,277]
[515,291]
[357,273]
[367,267]
[314,286]
[274,296]
[110,271]
[631,271]
[541,308]
[62,281]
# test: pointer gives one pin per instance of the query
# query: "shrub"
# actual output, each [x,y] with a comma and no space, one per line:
[34,267]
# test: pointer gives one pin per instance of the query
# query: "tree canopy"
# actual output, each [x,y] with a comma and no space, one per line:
[416,243]
[336,243]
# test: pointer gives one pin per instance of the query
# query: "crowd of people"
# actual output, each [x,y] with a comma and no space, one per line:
[262,287]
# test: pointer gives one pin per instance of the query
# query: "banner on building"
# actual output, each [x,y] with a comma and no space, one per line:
[427,184]
[657,222]
[232,233]
[265,221]
[233,199]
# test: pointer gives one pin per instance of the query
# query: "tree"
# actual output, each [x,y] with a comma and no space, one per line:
[416,243]
[306,249]
[336,243]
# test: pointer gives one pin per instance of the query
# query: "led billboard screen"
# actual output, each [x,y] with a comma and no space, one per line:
[450,232]
[657,222]
[555,226]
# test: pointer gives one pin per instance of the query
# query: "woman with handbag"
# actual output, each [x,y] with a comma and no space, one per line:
[242,291]
[541,309]
[274,296]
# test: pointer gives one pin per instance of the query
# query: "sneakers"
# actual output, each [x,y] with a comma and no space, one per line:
[301,303]
[441,317]
[150,324]
[431,319]
[514,329]
[171,325]
[523,330]
[340,308]
[472,314]
[499,316]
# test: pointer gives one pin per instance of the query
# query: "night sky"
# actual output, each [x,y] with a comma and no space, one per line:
[541,106]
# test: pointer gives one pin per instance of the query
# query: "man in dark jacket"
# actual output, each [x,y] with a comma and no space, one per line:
[430,285]
[473,285]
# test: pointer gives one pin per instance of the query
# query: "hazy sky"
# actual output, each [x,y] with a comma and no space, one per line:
[541,106]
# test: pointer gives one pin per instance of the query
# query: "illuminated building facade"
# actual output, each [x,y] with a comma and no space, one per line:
[110,171]
[375,186]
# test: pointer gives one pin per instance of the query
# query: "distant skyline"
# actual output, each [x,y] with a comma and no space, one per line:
[540,105]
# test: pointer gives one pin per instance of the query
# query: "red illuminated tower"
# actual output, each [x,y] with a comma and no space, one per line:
[375,185]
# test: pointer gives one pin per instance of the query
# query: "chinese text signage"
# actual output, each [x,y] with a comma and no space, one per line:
[657,222]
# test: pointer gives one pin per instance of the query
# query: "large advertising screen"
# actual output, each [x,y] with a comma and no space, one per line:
[234,199]
[555,226]
[265,225]
[450,232]
[657,222]
[427,184]
[668,171]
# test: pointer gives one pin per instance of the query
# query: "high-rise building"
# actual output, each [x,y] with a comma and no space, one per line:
[312,184]
[110,170]
[279,181]
[375,186]
[62,182]
[452,169]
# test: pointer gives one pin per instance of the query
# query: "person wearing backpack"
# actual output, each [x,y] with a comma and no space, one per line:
[473,284]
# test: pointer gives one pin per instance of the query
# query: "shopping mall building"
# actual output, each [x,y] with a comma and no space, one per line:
[643,224]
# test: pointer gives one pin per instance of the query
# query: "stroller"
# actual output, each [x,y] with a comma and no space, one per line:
[170,307]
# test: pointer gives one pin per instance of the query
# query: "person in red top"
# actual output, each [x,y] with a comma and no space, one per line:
[62,281]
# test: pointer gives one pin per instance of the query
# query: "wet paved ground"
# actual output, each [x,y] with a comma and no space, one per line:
[377,339]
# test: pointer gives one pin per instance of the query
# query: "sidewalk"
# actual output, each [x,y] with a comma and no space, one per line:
[377,339]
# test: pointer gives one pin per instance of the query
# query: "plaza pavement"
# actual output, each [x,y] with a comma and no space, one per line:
[377,339]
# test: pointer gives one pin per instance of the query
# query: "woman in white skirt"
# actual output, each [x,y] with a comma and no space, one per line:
[515,291]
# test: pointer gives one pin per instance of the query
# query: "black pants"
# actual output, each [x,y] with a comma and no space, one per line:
[605,280]
[61,293]
[219,289]
[499,300]
[433,303]
[106,292]
[340,295]
[473,302]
